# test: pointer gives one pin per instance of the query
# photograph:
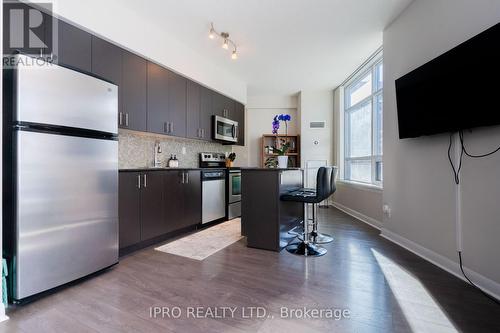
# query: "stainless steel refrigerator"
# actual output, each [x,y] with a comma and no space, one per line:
[63,165]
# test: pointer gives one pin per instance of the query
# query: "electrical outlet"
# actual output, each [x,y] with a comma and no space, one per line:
[387,210]
[183,151]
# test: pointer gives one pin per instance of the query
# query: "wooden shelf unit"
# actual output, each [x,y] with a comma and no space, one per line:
[275,141]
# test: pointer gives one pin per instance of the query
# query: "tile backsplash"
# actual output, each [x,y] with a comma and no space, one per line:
[136,149]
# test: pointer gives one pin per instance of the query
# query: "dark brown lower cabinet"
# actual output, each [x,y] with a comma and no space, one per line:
[192,198]
[155,203]
[129,209]
[174,200]
[152,218]
[182,199]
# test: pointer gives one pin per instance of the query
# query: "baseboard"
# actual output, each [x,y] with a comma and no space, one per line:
[489,286]
[359,216]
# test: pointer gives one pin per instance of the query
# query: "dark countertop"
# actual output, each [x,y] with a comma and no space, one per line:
[269,169]
[232,168]
[155,169]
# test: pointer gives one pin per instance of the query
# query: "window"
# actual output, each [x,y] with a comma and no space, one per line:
[363,125]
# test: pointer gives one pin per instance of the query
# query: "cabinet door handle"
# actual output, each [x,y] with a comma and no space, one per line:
[183,175]
[165,127]
[126,119]
[187,177]
[138,181]
[203,133]
[171,127]
[120,118]
[145,181]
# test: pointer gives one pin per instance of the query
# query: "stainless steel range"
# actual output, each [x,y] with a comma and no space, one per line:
[213,187]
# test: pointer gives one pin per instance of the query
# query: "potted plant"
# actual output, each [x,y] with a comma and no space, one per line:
[230,159]
[283,143]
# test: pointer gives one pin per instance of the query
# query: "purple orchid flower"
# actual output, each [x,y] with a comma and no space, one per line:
[277,119]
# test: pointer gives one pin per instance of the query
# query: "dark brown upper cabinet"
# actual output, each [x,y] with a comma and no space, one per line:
[222,105]
[151,97]
[177,86]
[199,112]
[206,113]
[158,118]
[134,92]
[238,115]
[74,47]
[193,113]
[107,60]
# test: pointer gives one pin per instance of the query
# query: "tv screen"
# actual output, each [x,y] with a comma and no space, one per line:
[458,90]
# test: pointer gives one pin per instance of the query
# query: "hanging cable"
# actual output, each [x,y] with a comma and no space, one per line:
[472,283]
[461,134]
[456,175]
[456,171]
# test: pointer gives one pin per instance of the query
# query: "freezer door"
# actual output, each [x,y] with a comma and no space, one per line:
[60,96]
[66,209]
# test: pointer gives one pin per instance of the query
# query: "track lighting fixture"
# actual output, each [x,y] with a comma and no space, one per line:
[226,41]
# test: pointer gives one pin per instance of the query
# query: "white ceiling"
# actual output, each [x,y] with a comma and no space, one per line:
[284,46]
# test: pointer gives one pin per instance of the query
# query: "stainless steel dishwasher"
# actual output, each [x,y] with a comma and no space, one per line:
[213,184]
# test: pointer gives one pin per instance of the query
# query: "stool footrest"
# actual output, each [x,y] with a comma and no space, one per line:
[306,249]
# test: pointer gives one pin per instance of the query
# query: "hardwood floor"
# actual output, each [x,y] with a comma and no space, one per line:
[384,287]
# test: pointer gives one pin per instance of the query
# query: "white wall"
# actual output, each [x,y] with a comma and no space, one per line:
[316,144]
[418,182]
[259,116]
[116,23]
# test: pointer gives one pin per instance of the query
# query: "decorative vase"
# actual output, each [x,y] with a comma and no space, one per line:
[282,162]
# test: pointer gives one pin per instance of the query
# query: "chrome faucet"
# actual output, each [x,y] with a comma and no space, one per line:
[157,155]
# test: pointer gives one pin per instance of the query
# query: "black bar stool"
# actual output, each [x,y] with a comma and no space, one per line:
[315,236]
[325,186]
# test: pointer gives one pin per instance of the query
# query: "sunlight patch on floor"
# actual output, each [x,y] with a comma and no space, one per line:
[421,311]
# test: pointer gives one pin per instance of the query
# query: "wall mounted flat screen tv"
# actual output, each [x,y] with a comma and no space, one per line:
[458,90]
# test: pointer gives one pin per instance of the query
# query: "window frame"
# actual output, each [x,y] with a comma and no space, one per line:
[375,157]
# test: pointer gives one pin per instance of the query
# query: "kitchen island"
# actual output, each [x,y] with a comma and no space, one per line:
[265,219]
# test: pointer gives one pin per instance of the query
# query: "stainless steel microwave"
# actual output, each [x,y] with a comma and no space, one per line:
[225,129]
